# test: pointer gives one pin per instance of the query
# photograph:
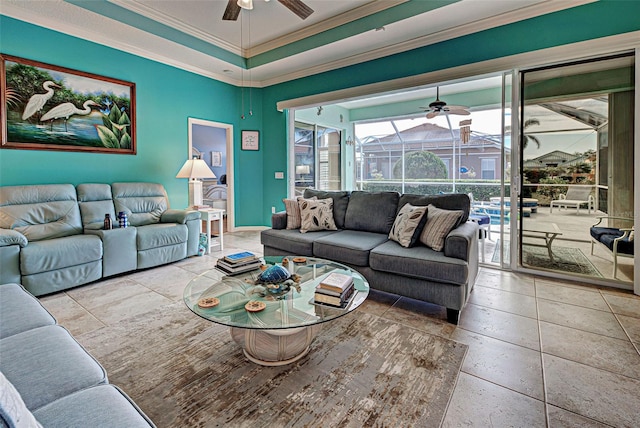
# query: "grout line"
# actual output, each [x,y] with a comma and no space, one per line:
[542,371]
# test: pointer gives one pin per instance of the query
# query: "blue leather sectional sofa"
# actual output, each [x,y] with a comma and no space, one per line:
[47,378]
[51,236]
[364,220]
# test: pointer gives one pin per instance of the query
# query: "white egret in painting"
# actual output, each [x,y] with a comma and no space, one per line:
[37,101]
[66,110]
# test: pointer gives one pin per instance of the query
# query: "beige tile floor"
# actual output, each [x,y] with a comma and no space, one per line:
[541,352]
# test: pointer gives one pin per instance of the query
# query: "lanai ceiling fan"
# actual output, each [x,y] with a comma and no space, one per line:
[232,11]
[439,107]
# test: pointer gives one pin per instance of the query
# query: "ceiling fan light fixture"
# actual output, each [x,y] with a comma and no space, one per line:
[246,4]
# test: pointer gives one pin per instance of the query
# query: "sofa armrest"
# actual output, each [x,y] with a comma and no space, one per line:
[279,220]
[12,237]
[458,243]
[179,216]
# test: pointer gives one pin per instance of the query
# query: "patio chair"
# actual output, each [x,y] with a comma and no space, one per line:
[575,197]
[619,241]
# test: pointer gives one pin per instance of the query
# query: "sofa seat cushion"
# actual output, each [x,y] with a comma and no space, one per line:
[102,406]
[418,262]
[46,363]
[348,246]
[55,254]
[292,242]
[161,235]
[15,302]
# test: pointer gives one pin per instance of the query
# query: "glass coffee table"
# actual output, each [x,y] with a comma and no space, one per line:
[282,331]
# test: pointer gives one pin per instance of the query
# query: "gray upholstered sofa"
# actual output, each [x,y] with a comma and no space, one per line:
[51,236]
[46,374]
[364,220]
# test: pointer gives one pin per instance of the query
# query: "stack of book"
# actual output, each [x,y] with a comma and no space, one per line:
[336,289]
[238,263]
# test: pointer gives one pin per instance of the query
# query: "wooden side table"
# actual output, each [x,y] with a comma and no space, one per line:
[210,215]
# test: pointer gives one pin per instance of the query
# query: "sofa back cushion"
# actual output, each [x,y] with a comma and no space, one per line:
[41,211]
[95,201]
[143,203]
[371,212]
[340,202]
[450,201]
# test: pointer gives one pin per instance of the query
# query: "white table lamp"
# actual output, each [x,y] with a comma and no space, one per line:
[194,169]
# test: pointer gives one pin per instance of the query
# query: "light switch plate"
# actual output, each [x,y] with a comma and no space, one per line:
[279,175]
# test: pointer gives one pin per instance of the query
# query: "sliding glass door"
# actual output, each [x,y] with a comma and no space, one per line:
[577,167]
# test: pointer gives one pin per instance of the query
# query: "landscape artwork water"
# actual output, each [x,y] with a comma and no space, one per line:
[46,107]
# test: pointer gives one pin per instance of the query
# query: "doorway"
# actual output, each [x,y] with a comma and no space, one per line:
[577,165]
[213,143]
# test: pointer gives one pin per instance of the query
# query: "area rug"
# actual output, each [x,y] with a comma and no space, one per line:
[362,370]
[565,259]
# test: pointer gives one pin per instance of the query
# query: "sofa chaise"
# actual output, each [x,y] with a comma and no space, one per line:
[51,236]
[361,239]
[47,378]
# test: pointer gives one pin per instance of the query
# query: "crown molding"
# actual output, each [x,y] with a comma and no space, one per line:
[559,54]
[326,25]
[430,39]
[177,24]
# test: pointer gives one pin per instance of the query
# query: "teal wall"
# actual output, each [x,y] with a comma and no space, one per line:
[591,21]
[165,98]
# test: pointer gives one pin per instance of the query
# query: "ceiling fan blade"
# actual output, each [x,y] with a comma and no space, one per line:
[461,112]
[450,107]
[432,114]
[232,11]
[297,7]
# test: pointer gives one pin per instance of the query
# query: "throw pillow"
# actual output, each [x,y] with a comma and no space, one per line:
[293,212]
[439,223]
[408,225]
[316,215]
[13,411]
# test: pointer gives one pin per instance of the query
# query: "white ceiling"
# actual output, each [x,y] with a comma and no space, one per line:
[190,34]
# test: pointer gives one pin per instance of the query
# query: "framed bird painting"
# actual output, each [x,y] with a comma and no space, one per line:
[47,107]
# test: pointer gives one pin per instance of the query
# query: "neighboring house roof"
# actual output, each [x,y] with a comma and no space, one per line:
[556,158]
[427,136]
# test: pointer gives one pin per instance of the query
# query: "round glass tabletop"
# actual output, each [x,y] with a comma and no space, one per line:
[279,309]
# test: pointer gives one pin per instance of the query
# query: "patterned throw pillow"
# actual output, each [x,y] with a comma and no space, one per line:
[293,211]
[408,225]
[439,223]
[317,215]
[13,411]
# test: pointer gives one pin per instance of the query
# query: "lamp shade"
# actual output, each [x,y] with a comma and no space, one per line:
[195,168]
[303,169]
[245,4]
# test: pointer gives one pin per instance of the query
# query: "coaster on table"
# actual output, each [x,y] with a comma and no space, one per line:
[299,259]
[255,306]
[208,302]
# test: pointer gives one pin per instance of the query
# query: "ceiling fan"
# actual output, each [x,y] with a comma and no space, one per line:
[440,107]
[232,11]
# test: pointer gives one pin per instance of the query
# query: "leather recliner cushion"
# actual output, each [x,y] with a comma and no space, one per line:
[161,235]
[55,254]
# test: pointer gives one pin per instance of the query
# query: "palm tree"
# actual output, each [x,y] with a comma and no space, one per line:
[526,138]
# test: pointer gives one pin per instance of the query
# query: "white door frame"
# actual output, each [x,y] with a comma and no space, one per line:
[230,182]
